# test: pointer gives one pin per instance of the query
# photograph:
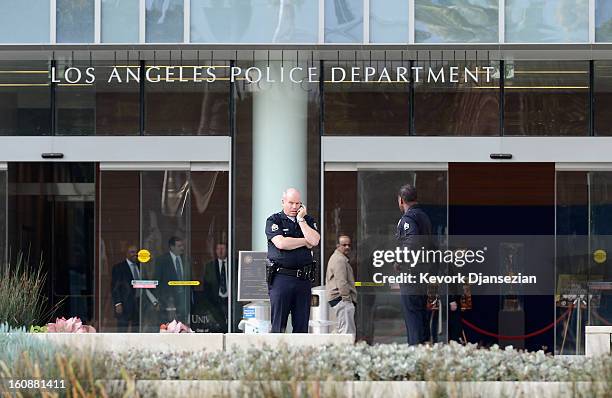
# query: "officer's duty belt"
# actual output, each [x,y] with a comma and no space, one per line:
[301,273]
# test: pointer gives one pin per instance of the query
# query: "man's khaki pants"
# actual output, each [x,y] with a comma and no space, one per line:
[345,316]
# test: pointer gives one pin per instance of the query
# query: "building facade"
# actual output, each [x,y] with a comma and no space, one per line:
[126,123]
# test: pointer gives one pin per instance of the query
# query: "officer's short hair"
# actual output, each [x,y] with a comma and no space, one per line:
[407,193]
[172,241]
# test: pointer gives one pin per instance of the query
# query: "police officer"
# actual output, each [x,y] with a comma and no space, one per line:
[413,232]
[292,234]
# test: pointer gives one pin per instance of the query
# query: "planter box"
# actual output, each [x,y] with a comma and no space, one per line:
[244,341]
[365,389]
[598,340]
[138,341]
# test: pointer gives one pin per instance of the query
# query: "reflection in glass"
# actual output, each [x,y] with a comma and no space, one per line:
[602,92]
[601,241]
[572,259]
[192,206]
[363,205]
[119,21]
[102,107]
[456,21]
[3,251]
[254,21]
[75,21]
[51,220]
[464,108]
[343,21]
[25,98]
[203,107]
[546,98]
[367,108]
[389,21]
[547,21]
[31,13]
[603,21]
[164,21]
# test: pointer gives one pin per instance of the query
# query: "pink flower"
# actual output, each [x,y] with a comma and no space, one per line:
[71,325]
[174,327]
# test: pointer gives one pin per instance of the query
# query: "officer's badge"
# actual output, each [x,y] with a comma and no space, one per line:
[406,226]
[274,227]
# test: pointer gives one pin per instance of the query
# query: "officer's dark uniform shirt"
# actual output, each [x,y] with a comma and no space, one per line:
[414,229]
[280,224]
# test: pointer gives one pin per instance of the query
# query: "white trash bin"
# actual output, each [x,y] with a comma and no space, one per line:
[319,310]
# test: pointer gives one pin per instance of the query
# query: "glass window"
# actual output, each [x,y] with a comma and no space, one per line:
[102,107]
[119,21]
[254,21]
[366,108]
[344,21]
[603,98]
[363,205]
[456,21]
[3,251]
[51,222]
[389,21]
[603,21]
[172,214]
[25,98]
[546,98]
[164,21]
[31,13]
[463,108]
[75,21]
[203,106]
[547,21]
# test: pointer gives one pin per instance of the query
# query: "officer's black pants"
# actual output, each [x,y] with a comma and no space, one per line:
[290,295]
[415,315]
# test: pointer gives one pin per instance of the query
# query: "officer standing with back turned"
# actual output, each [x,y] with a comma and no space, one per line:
[292,234]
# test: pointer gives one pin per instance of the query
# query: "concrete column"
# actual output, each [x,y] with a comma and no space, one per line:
[280,121]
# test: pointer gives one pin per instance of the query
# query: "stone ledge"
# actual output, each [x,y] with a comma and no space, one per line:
[244,341]
[382,389]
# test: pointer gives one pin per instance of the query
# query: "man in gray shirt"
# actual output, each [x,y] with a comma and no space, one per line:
[340,286]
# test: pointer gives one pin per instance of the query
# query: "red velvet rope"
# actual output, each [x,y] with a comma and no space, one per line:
[521,337]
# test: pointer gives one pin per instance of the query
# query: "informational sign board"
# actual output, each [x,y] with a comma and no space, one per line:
[252,285]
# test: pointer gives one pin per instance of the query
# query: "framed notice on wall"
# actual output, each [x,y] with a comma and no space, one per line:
[252,285]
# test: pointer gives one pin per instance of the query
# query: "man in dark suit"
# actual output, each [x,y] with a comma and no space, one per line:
[171,266]
[215,287]
[126,300]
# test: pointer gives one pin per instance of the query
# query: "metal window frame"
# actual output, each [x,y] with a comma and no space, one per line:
[411,19]
[97,21]
[592,21]
[142,21]
[186,21]
[366,21]
[501,21]
[53,21]
[321,22]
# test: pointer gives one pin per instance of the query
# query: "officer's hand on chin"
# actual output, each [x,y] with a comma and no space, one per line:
[302,213]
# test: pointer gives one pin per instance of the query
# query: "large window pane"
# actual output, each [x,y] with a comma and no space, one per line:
[456,21]
[363,205]
[203,107]
[254,21]
[31,13]
[75,21]
[101,107]
[389,21]
[25,98]
[119,21]
[463,108]
[547,21]
[164,21]
[603,21]
[344,21]
[546,98]
[159,205]
[3,251]
[51,222]
[366,108]
[603,98]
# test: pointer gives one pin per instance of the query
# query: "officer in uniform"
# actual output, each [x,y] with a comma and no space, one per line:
[291,234]
[413,232]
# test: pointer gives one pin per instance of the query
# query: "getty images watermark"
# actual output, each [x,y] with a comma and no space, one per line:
[426,266]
